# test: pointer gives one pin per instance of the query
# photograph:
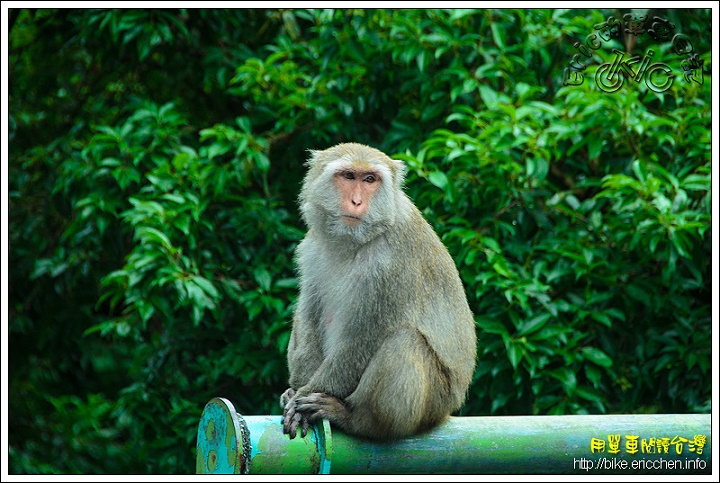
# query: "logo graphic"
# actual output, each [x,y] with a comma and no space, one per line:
[611,76]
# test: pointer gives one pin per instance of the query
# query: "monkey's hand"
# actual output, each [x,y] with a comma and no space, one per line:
[318,405]
[292,419]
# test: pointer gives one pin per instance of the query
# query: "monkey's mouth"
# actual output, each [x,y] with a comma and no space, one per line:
[351,220]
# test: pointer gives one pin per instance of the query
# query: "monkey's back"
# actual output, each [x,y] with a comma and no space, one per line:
[440,305]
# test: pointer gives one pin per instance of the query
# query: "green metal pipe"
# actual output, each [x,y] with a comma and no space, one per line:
[677,444]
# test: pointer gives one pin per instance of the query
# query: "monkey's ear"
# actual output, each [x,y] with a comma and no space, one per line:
[399,170]
[313,157]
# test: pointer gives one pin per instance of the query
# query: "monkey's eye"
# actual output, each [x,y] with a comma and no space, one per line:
[348,175]
[370,178]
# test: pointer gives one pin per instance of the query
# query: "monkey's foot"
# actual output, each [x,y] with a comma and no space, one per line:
[319,405]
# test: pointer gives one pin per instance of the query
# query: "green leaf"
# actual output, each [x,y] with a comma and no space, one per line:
[588,393]
[602,318]
[534,324]
[640,171]
[173,197]
[207,286]
[490,326]
[499,267]
[515,352]
[498,34]
[567,377]
[182,222]
[595,147]
[439,179]
[597,356]
[488,96]
[491,243]
[287,283]
[696,182]
[148,234]
[638,294]
[146,310]
[263,278]
[549,332]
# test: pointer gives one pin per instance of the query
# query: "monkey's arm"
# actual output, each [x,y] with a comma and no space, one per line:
[304,359]
[304,349]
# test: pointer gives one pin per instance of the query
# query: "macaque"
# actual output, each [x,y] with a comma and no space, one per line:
[383,342]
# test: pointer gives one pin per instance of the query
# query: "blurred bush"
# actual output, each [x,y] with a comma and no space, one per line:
[155,160]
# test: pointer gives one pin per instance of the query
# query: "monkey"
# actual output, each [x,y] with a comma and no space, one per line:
[383,341]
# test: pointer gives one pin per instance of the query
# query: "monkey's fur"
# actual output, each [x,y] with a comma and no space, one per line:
[383,342]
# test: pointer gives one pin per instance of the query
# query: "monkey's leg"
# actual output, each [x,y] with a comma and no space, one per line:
[402,391]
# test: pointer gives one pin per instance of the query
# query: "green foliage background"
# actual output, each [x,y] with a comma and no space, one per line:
[155,160]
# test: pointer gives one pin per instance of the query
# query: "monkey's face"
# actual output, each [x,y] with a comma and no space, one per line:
[356,184]
[357,199]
